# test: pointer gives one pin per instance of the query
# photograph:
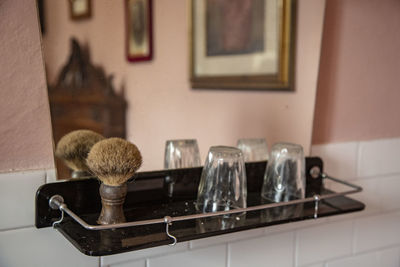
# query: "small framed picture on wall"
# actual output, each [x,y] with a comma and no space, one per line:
[139,30]
[80,9]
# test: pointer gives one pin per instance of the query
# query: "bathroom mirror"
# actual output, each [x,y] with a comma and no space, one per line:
[160,103]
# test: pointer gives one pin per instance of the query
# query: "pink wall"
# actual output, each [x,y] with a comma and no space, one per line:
[161,103]
[25,130]
[358,90]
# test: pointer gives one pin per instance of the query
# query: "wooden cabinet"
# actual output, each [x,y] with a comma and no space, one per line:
[84,98]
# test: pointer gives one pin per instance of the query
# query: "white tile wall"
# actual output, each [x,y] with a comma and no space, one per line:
[17,198]
[139,263]
[51,176]
[365,260]
[389,257]
[210,257]
[287,227]
[40,248]
[379,157]
[377,231]
[383,258]
[368,238]
[271,250]
[324,242]
[388,192]
[145,253]
[315,265]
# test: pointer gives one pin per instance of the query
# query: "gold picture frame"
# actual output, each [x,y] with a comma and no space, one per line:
[260,60]
[80,9]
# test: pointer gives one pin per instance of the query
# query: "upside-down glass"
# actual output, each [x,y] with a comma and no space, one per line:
[254,149]
[181,154]
[223,184]
[284,179]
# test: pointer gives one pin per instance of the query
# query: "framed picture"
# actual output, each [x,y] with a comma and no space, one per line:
[139,35]
[247,44]
[80,9]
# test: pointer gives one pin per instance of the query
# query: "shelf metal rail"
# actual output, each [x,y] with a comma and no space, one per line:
[56,202]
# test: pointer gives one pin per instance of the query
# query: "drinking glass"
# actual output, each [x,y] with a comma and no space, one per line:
[223,184]
[182,153]
[254,149]
[284,179]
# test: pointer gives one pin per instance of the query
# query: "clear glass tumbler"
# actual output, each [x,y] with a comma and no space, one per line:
[223,184]
[181,154]
[254,149]
[284,179]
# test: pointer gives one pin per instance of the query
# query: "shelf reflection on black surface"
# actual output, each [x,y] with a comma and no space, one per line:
[220,223]
[280,213]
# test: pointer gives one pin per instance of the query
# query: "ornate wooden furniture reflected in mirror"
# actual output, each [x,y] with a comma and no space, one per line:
[84,98]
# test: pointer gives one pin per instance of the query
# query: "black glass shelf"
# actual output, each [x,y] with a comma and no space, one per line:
[148,199]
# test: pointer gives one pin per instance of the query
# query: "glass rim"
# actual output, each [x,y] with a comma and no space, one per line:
[287,145]
[180,140]
[225,149]
[258,140]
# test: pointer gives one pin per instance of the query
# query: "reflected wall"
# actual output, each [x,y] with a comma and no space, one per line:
[161,104]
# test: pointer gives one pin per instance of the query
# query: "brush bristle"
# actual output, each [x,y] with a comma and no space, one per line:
[73,148]
[114,160]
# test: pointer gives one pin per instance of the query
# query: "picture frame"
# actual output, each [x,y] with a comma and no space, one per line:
[139,30]
[80,9]
[249,46]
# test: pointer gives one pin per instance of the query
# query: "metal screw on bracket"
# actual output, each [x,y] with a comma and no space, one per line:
[315,172]
[55,202]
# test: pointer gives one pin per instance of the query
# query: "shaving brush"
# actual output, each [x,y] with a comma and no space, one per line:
[113,161]
[73,149]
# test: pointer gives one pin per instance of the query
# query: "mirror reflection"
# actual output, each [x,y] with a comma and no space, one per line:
[95,83]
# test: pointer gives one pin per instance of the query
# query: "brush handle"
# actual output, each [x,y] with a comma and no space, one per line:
[112,200]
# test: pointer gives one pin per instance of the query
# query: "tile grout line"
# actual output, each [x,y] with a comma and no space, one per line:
[353,237]
[24,171]
[18,228]
[373,250]
[358,160]
[228,255]
[363,253]
[296,249]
